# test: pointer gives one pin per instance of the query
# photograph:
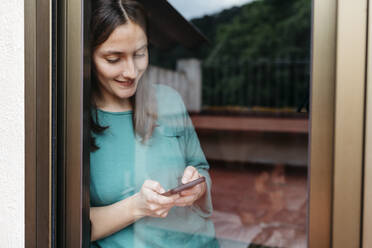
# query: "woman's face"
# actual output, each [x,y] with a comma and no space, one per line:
[121,61]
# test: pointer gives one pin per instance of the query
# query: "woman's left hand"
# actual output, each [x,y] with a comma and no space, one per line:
[188,197]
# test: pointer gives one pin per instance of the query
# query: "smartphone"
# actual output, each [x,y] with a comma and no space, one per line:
[183,187]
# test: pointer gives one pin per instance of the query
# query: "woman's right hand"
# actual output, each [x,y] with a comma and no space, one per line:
[150,202]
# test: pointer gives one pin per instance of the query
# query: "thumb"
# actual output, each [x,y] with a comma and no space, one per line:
[188,173]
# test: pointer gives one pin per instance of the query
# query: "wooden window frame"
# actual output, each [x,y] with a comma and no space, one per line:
[337,123]
[73,103]
[321,123]
[56,110]
[349,123]
[367,186]
[38,195]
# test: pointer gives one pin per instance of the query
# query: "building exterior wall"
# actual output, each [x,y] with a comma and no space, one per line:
[12,124]
[186,79]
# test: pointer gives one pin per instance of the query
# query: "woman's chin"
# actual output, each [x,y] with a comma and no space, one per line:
[125,94]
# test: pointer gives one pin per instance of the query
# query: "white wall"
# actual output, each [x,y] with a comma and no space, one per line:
[186,79]
[11,124]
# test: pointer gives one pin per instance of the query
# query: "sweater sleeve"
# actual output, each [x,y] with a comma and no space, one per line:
[179,119]
[194,156]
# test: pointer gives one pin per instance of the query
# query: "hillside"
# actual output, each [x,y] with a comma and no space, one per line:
[262,29]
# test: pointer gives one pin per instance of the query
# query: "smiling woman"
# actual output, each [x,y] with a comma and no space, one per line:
[142,142]
[119,64]
[120,57]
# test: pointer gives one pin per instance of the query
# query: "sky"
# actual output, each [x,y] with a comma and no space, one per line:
[198,8]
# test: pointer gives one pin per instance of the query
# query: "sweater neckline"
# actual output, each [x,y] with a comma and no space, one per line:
[128,112]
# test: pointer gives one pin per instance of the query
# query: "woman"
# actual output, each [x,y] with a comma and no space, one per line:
[143,143]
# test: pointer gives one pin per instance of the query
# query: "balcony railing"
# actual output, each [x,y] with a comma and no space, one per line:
[274,84]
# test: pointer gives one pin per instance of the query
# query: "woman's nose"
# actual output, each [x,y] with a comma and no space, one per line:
[129,70]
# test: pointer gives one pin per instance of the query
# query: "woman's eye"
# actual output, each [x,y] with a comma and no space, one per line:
[139,55]
[112,61]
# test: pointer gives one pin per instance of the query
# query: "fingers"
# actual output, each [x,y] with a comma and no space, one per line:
[158,205]
[189,174]
[174,197]
[153,191]
[153,197]
[152,203]
[188,197]
[163,213]
[193,191]
[155,186]
[161,200]
[160,212]
[185,201]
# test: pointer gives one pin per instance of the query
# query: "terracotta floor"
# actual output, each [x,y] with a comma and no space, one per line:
[262,205]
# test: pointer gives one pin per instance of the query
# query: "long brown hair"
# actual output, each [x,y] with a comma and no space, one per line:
[106,16]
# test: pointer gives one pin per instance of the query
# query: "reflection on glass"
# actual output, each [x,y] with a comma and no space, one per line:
[235,110]
[253,118]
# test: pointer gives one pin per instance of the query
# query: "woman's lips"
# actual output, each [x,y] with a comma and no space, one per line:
[127,83]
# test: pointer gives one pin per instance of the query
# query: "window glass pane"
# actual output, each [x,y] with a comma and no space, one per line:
[232,111]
